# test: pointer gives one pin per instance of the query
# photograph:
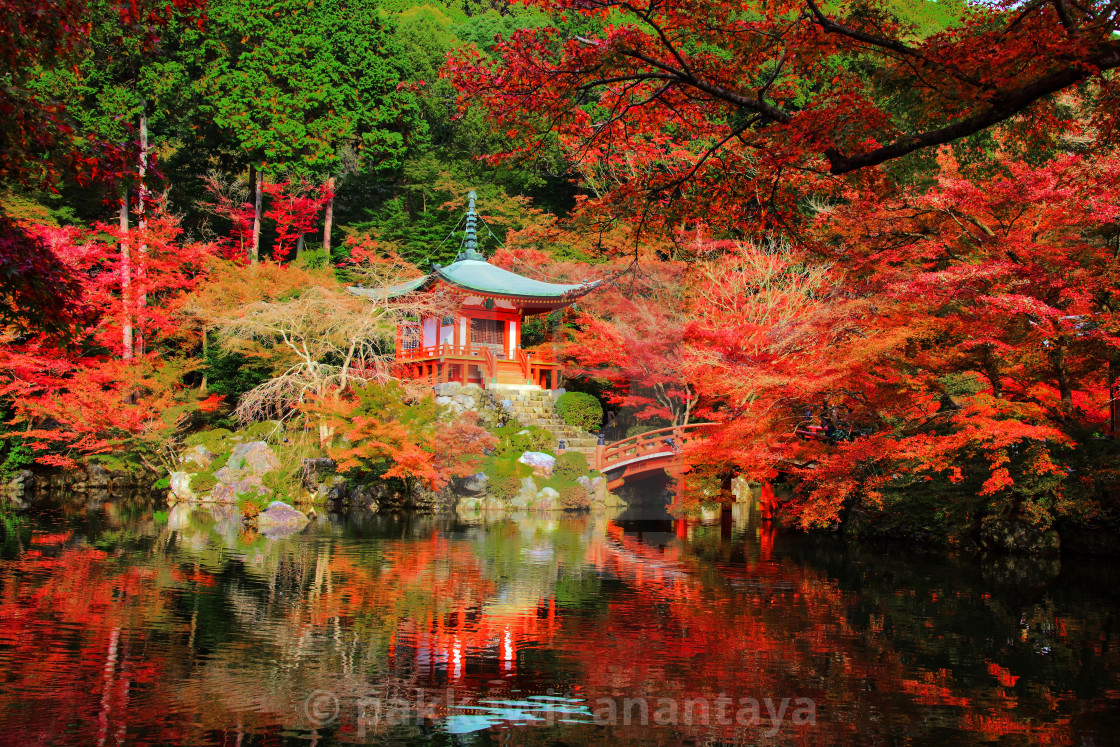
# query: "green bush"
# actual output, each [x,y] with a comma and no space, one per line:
[251,504]
[203,482]
[515,439]
[570,465]
[580,410]
[506,474]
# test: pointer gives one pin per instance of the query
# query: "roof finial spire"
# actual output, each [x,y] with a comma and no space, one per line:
[470,241]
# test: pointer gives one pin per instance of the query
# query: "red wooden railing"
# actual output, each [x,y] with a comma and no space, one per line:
[660,444]
[445,350]
[433,362]
[490,367]
[523,360]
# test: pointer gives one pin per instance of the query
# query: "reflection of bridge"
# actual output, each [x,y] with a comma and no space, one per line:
[655,451]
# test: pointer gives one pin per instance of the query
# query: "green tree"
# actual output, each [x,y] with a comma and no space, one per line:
[306,88]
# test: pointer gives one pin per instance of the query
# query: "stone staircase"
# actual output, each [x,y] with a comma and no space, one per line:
[533,406]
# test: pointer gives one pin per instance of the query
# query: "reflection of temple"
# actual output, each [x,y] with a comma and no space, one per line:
[444,644]
[481,343]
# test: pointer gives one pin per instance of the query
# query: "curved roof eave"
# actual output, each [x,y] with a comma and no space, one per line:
[479,276]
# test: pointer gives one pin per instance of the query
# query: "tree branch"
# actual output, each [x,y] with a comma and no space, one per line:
[1004,107]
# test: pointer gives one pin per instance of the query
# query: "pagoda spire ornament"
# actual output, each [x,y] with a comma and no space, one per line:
[470,240]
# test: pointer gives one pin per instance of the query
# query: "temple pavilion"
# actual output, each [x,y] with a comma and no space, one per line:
[481,343]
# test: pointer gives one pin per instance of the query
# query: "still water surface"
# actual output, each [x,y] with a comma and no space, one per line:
[124,622]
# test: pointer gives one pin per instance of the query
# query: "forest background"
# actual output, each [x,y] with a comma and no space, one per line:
[189,189]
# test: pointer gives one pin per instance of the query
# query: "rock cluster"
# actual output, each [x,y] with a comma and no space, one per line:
[241,475]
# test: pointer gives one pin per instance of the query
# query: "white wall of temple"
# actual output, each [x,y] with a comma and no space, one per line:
[514,339]
[430,329]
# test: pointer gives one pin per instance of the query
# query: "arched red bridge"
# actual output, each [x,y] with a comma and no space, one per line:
[655,451]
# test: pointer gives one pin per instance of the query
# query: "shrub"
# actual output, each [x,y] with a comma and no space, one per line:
[573,496]
[203,482]
[515,439]
[506,474]
[251,504]
[580,410]
[571,464]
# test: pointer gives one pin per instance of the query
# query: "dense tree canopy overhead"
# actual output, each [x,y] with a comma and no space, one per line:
[731,99]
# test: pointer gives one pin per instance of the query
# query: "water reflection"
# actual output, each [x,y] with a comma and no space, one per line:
[127,622]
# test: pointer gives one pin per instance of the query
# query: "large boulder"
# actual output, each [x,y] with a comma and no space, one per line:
[548,499]
[334,488]
[199,456]
[465,401]
[597,493]
[316,471]
[475,484]
[181,485]
[98,477]
[451,404]
[447,389]
[542,463]
[229,492]
[253,458]
[1018,537]
[280,519]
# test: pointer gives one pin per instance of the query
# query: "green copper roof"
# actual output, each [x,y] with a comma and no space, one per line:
[480,276]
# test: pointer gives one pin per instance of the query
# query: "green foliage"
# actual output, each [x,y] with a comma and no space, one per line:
[515,439]
[233,374]
[203,482]
[580,410]
[573,496]
[506,474]
[286,483]
[571,464]
[15,456]
[162,483]
[251,504]
[297,84]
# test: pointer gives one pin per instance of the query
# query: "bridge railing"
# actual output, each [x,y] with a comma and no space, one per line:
[648,445]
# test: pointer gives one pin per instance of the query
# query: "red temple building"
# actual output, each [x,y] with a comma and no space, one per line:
[481,343]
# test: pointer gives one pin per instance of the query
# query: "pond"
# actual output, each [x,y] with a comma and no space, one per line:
[128,622]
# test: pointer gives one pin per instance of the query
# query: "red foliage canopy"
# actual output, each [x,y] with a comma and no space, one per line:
[745,106]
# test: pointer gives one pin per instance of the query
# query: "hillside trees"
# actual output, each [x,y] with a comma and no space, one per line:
[297,87]
[47,134]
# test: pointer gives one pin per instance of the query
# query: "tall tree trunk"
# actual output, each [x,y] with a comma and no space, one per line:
[299,245]
[255,179]
[1061,373]
[1114,397]
[328,220]
[126,278]
[142,222]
